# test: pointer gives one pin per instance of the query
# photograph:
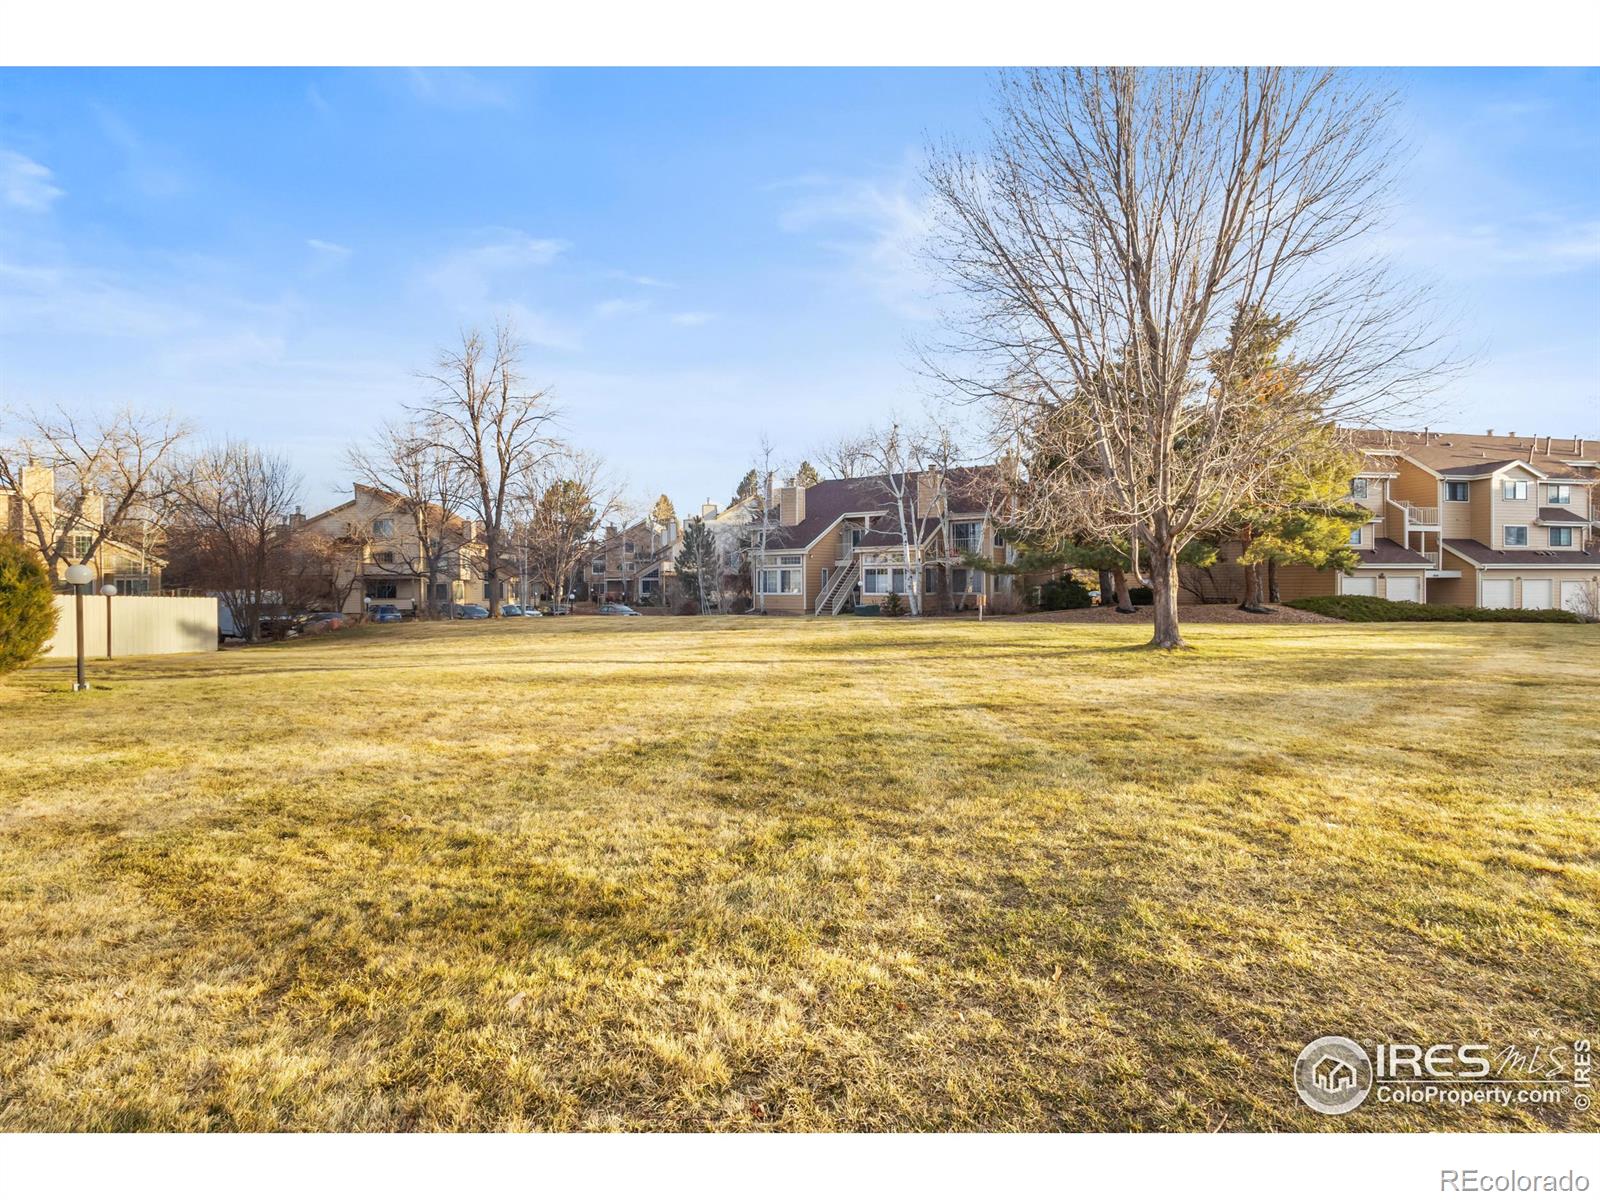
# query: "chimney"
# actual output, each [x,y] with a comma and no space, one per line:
[791,505]
[297,519]
[928,483]
[1512,434]
[707,511]
[92,512]
[1491,433]
[39,488]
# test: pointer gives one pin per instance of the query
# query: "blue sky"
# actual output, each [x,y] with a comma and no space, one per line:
[695,257]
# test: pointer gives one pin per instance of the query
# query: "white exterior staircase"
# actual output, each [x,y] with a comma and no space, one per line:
[837,593]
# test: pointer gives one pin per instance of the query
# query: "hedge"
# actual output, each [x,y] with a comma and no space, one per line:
[1372,608]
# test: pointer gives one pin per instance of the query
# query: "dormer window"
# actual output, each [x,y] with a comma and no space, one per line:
[1514,489]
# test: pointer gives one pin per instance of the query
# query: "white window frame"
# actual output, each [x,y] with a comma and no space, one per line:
[1355,535]
[1358,489]
[781,581]
[1564,531]
[969,545]
[1505,535]
[1466,491]
[1558,493]
[383,527]
[1513,489]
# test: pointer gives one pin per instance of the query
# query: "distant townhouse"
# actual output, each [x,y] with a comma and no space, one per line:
[1473,519]
[634,563]
[837,544]
[379,557]
[33,515]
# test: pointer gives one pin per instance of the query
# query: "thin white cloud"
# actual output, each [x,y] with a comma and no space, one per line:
[620,308]
[27,184]
[876,228]
[1539,245]
[455,88]
[649,281]
[331,249]
[692,318]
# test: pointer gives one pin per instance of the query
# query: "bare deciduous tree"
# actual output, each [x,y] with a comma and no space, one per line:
[431,491]
[230,531]
[1100,249]
[494,429]
[846,457]
[914,462]
[111,475]
[568,500]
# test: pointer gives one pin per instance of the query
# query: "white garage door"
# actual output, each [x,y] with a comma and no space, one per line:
[1358,585]
[1497,593]
[1536,593]
[1409,589]
[1575,596]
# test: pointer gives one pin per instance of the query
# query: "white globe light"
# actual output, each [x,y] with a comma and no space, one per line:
[79,574]
[110,589]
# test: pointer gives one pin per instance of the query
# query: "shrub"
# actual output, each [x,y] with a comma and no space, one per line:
[893,606]
[27,605]
[689,608]
[1004,604]
[1065,592]
[1141,595]
[739,604]
[1372,608]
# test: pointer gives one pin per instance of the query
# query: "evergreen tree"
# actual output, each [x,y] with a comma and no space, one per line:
[663,511]
[698,563]
[27,605]
[805,475]
[748,486]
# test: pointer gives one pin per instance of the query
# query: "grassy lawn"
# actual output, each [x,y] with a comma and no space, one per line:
[766,874]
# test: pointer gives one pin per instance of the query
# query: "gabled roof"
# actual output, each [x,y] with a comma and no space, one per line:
[1466,455]
[1480,555]
[831,500]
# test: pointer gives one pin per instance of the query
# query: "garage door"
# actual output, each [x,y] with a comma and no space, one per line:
[1575,596]
[1405,589]
[1356,585]
[1497,593]
[1536,593]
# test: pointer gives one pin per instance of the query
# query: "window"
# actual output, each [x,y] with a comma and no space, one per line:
[880,581]
[1560,493]
[966,537]
[598,566]
[780,581]
[1514,489]
[958,580]
[787,560]
[383,556]
[139,585]
[1561,537]
[383,527]
[1516,535]
[80,545]
[1355,536]
[1358,489]
[627,547]
[1456,491]
[381,591]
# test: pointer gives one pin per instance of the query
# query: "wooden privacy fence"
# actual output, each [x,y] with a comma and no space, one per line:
[139,625]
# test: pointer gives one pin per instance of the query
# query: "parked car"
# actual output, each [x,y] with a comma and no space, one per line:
[469,612]
[325,622]
[560,610]
[511,610]
[617,610]
[385,613]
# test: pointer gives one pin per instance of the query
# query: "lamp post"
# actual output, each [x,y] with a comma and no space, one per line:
[108,591]
[78,575]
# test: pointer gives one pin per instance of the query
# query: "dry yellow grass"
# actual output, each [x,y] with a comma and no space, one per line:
[748,874]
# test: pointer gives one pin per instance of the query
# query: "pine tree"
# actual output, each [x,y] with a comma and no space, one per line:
[663,511]
[805,475]
[748,486]
[697,562]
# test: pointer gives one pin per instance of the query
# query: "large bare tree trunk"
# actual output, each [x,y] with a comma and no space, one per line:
[1119,580]
[1164,586]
